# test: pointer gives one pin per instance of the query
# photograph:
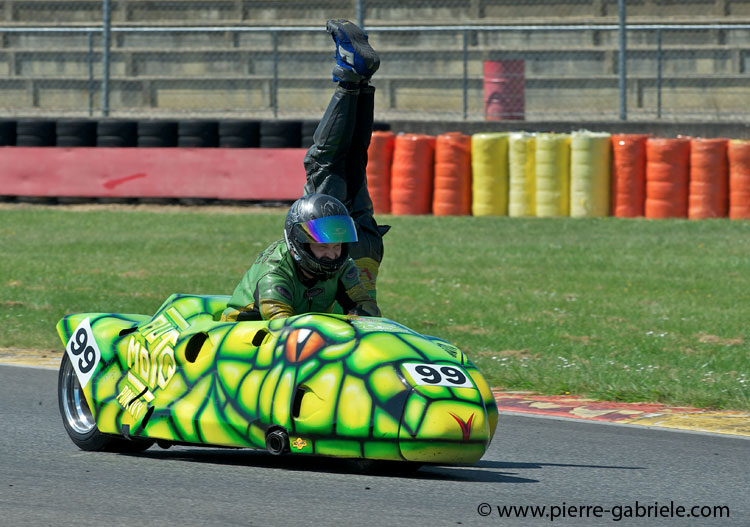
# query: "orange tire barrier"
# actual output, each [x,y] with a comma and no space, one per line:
[739,179]
[521,175]
[708,192]
[489,173]
[667,162]
[412,174]
[452,190]
[590,165]
[628,182]
[552,175]
[380,157]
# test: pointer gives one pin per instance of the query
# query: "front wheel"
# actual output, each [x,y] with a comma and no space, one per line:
[78,420]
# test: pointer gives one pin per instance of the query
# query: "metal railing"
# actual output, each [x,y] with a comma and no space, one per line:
[470,54]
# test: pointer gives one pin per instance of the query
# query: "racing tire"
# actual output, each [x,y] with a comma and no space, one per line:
[114,141]
[31,132]
[33,140]
[280,134]
[230,141]
[116,133]
[198,133]
[379,126]
[157,133]
[78,420]
[151,141]
[7,132]
[239,134]
[76,132]
[276,142]
[192,141]
[157,128]
[70,140]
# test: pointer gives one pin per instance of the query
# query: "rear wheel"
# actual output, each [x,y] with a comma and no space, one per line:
[78,420]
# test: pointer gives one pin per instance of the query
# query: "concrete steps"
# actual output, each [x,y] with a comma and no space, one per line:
[439,72]
[299,12]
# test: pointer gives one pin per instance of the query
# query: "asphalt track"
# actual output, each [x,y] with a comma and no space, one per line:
[595,472]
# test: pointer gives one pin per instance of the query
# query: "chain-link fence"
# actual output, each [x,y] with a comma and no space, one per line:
[456,59]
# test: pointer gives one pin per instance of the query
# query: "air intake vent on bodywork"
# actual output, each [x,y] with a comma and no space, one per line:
[194,346]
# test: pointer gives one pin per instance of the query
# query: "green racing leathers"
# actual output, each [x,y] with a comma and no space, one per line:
[274,288]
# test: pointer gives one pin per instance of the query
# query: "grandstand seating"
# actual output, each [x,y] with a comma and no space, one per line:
[377,12]
[176,72]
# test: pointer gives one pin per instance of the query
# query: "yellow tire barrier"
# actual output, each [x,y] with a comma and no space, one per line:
[590,169]
[522,175]
[552,175]
[489,168]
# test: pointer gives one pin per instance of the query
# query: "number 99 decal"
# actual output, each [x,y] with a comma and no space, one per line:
[438,375]
[83,352]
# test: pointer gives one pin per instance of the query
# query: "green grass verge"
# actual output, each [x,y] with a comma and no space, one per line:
[627,310]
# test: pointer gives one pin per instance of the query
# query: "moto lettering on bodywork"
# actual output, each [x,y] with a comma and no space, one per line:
[151,363]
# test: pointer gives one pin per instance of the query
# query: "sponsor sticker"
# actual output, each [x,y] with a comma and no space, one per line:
[83,352]
[299,443]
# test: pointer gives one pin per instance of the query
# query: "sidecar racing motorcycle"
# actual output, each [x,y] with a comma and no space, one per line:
[320,384]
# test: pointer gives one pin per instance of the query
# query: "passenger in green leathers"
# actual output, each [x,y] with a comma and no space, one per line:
[307,271]
[274,288]
[313,269]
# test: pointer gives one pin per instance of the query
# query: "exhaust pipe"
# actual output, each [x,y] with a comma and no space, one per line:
[277,442]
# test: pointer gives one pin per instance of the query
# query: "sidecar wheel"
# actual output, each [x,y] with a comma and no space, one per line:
[78,420]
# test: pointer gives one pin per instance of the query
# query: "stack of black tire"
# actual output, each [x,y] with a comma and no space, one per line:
[280,134]
[239,134]
[190,133]
[157,134]
[75,132]
[7,132]
[30,132]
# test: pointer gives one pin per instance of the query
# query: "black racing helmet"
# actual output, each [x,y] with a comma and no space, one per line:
[318,218]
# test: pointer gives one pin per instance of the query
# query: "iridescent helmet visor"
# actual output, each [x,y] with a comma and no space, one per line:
[329,229]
